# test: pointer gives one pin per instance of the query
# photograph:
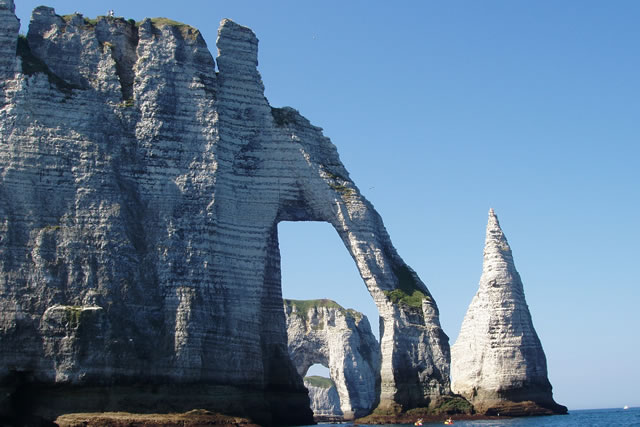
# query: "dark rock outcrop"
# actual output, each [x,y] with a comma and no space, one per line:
[497,362]
[140,193]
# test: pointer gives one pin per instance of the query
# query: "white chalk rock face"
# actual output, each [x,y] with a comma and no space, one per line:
[140,195]
[9,26]
[497,362]
[325,401]
[321,331]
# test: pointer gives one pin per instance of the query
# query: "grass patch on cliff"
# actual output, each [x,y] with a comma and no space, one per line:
[91,23]
[320,382]
[339,183]
[127,103]
[409,291]
[342,189]
[32,65]
[398,296]
[304,306]
[73,315]
[87,21]
[187,30]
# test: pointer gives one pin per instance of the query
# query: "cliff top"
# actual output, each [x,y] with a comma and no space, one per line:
[304,306]
[320,382]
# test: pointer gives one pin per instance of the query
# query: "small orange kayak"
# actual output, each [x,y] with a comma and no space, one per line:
[448,422]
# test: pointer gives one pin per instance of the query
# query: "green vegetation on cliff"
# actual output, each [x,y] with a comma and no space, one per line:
[320,382]
[73,315]
[187,30]
[398,296]
[304,306]
[339,183]
[409,291]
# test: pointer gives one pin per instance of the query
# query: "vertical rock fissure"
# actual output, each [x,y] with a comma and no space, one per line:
[121,37]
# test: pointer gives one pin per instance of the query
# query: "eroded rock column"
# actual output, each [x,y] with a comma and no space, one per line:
[497,362]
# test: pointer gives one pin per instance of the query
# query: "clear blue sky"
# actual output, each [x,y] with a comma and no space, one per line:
[441,110]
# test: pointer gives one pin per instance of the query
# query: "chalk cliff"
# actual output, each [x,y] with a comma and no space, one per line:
[325,401]
[321,331]
[140,193]
[497,362]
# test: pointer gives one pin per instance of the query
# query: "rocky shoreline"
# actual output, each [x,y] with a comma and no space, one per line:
[200,417]
[197,417]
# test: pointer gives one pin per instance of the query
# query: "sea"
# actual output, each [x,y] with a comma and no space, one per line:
[575,418]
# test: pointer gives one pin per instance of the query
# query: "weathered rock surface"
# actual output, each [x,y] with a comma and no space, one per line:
[8,40]
[497,362]
[325,401]
[321,331]
[140,193]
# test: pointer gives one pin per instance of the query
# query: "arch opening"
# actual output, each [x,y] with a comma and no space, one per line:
[330,343]
[318,370]
[316,265]
[323,394]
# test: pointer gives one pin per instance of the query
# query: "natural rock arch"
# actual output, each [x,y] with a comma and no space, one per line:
[325,400]
[321,331]
[159,213]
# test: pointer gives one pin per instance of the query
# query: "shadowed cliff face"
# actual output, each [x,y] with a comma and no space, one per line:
[140,192]
[498,363]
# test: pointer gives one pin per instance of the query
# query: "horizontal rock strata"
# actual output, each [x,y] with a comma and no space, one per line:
[323,332]
[325,401]
[140,193]
[497,362]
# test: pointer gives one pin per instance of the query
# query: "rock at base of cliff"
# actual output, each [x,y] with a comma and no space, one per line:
[524,409]
[517,403]
[43,404]
[197,417]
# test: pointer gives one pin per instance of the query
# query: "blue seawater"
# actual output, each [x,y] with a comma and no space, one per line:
[575,418]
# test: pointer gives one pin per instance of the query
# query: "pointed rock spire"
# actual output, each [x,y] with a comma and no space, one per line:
[497,362]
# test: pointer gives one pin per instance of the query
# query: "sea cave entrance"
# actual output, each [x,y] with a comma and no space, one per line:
[315,265]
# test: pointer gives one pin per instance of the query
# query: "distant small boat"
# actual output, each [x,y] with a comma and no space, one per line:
[626,407]
[418,423]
